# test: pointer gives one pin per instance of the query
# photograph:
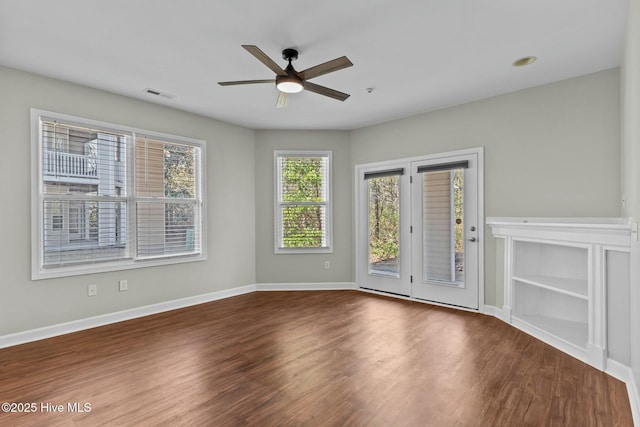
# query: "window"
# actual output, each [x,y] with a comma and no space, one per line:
[303,202]
[56,222]
[109,197]
[167,202]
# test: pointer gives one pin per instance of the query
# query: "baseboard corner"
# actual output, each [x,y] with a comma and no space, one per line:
[618,370]
[492,310]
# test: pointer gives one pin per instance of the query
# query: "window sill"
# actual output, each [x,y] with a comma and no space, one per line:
[298,251]
[78,270]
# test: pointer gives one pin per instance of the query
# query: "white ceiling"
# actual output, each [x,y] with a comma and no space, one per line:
[418,55]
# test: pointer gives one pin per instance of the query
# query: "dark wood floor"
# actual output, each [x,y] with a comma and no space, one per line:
[308,359]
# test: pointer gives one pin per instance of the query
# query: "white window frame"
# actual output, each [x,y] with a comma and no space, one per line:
[277,204]
[38,271]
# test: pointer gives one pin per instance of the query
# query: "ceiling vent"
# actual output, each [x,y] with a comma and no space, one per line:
[158,93]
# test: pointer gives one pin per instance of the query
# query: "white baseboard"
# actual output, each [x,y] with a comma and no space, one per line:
[625,374]
[119,316]
[328,286]
[492,310]
[618,371]
[634,398]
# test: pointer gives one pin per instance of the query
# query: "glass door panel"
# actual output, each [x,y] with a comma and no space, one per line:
[443,227]
[445,221]
[384,225]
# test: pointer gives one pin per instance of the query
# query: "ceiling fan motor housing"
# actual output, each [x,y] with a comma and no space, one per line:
[290,54]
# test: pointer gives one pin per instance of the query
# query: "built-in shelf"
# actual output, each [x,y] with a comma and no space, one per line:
[575,333]
[552,310]
[572,287]
[554,286]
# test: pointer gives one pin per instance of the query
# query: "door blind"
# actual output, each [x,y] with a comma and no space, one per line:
[463,164]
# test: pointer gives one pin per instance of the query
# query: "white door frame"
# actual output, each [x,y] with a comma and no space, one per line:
[360,248]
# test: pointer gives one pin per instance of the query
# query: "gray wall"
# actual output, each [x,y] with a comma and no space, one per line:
[282,268]
[549,151]
[552,150]
[26,304]
[630,87]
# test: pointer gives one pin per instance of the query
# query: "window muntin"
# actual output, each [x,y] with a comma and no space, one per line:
[303,202]
[94,214]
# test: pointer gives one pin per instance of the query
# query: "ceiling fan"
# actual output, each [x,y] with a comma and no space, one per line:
[291,81]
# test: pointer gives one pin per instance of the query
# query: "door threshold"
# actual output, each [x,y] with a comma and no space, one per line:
[375,291]
[420,300]
[442,304]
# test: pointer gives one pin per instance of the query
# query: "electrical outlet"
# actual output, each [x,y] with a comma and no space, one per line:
[92,290]
[124,285]
[327,265]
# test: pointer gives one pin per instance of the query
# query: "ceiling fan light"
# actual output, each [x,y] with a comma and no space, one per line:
[289,85]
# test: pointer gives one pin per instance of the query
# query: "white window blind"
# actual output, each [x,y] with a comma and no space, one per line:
[167,198]
[303,201]
[84,197]
[111,197]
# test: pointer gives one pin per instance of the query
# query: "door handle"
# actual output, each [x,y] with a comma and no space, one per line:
[472,239]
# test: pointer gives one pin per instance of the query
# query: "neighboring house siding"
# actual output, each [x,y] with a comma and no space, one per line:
[437,226]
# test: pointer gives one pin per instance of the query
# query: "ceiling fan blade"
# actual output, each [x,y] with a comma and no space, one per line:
[331,93]
[262,57]
[283,100]
[246,82]
[327,67]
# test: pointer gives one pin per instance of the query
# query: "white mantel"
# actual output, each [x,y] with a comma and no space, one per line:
[610,230]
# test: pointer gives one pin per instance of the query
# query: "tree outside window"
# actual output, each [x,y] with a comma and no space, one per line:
[302,199]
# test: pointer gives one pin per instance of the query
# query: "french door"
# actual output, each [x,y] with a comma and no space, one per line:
[419,227]
[384,217]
